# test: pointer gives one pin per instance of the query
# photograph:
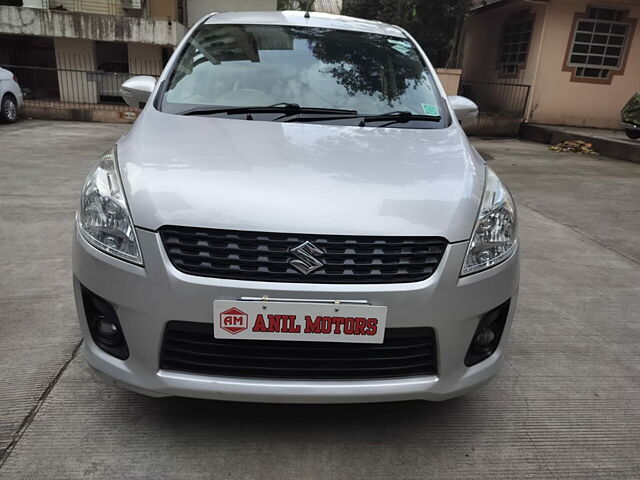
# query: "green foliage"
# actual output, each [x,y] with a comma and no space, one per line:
[435,24]
[295,4]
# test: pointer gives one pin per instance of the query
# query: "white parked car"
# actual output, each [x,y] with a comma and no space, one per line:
[295,216]
[10,95]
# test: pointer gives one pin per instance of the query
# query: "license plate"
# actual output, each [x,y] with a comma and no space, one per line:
[293,321]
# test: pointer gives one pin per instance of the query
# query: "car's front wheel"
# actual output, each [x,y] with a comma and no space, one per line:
[632,133]
[8,109]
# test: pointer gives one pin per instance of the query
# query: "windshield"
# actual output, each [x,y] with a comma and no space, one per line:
[263,65]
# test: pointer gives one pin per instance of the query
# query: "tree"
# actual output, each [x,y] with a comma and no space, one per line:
[295,4]
[352,67]
[435,24]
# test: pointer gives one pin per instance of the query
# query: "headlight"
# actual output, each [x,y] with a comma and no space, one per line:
[104,219]
[494,236]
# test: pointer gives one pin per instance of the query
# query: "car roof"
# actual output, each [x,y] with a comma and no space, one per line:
[297,18]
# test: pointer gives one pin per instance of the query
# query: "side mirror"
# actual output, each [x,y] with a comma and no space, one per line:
[463,107]
[136,90]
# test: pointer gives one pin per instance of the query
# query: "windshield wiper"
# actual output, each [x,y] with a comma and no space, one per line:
[400,116]
[293,109]
[287,109]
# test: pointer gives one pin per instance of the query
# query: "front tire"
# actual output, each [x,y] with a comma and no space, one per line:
[8,109]
[633,134]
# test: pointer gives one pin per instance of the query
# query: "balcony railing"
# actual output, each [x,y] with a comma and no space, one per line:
[79,85]
[102,7]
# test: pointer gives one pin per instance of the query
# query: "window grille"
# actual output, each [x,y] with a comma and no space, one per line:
[514,44]
[598,43]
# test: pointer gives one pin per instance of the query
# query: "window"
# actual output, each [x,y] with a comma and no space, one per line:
[598,44]
[260,65]
[514,45]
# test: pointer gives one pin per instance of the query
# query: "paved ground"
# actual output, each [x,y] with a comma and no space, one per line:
[612,143]
[565,406]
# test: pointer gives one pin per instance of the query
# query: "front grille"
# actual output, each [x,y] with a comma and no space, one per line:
[190,347]
[265,256]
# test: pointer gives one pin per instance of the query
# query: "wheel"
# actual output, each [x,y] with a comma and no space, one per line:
[8,109]
[632,133]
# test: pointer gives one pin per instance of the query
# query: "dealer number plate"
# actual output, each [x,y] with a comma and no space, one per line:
[293,321]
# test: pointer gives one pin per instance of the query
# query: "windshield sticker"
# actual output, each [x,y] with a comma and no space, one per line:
[401,46]
[429,109]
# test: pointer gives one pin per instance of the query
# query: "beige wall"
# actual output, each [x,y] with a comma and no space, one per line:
[483,33]
[450,79]
[72,55]
[482,38]
[163,9]
[196,9]
[556,99]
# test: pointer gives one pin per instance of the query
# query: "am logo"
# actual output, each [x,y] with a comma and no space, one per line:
[234,320]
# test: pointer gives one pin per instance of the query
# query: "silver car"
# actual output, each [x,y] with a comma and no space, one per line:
[295,216]
[10,97]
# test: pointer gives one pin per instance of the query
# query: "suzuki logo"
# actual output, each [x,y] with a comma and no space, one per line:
[306,261]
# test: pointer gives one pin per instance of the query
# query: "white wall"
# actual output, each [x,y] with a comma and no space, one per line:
[145,59]
[196,9]
[33,3]
[73,58]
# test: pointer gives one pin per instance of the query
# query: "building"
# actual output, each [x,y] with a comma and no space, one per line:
[71,56]
[196,9]
[562,62]
[328,6]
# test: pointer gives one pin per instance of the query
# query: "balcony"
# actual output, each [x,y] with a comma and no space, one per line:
[125,8]
[105,20]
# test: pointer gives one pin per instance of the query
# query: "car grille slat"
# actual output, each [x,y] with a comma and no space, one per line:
[190,347]
[224,236]
[236,353]
[265,257]
[221,254]
[229,261]
[205,354]
[195,340]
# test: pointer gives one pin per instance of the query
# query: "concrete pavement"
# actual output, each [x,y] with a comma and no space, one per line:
[565,405]
[612,143]
[596,196]
[42,166]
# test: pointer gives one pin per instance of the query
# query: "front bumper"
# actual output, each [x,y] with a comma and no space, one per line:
[145,299]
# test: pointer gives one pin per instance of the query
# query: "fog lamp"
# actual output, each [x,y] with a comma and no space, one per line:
[484,338]
[487,336]
[108,332]
[104,325]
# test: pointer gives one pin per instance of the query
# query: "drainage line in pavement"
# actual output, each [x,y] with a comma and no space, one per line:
[4,456]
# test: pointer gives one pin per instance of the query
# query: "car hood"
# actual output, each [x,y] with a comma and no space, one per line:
[300,178]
